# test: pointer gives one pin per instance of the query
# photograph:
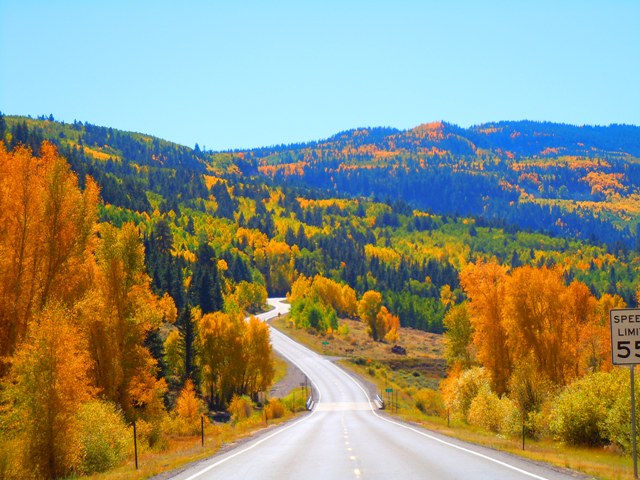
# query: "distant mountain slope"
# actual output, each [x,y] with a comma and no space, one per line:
[525,139]
[126,165]
[562,179]
[572,181]
[503,139]
[276,213]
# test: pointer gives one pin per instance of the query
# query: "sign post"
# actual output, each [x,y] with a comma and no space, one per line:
[625,350]
[389,397]
[633,423]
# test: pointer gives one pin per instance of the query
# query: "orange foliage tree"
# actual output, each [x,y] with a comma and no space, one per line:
[388,324]
[46,234]
[598,336]
[118,313]
[188,409]
[581,312]
[484,284]
[536,324]
[75,308]
[531,318]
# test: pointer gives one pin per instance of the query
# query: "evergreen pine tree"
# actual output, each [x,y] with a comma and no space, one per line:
[205,290]
[3,127]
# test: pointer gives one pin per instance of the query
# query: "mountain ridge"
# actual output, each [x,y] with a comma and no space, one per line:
[626,138]
[560,179]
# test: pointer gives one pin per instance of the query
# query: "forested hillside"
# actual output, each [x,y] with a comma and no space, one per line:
[578,182]
[270,217]
[131,261]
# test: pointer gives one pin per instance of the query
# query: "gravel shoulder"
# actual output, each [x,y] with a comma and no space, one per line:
[293,378]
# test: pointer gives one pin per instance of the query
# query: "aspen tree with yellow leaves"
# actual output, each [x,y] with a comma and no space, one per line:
[259,370]
[75,310]
[458,337]
[188,410]
[381,324]
[234,356]
[368,309]
[49,381]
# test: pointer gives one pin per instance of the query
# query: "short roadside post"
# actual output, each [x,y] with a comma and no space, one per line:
[625,350]
[135,444]
[389,397]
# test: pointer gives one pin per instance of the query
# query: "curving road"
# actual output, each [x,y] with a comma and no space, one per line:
[344,437]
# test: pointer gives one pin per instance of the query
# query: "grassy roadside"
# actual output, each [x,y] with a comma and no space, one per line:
[178,451]
[182,450]
[422,368]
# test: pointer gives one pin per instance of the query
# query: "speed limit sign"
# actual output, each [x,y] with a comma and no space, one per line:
[625,336]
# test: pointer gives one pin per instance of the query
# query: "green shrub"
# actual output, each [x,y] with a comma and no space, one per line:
[529,388]
[490,412]
[584,413]
[465,389]
[343,330]
[313,315]
[537,423]
[617,425]
[105,437]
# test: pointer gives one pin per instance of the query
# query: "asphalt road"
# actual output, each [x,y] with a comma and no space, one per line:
[345,437]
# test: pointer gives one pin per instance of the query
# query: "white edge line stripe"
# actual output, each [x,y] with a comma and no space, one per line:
[424,434]
[252,446]
[264,439]
[406,427]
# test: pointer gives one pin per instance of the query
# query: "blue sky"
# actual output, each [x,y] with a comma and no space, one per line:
[254,73]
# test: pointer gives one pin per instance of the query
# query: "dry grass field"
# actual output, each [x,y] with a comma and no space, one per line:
[423,359]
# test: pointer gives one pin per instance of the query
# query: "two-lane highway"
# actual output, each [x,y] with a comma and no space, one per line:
[344,437]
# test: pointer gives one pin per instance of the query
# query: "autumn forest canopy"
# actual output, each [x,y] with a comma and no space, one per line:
[129,264]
